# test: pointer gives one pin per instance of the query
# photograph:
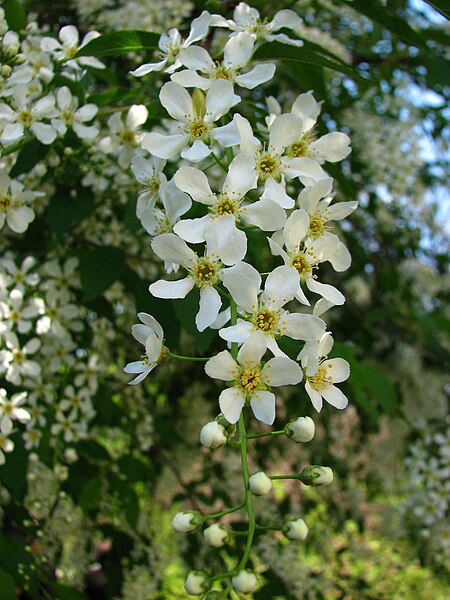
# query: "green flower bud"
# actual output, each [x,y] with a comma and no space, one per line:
[316,475]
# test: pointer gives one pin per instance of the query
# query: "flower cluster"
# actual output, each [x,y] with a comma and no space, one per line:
[262,179]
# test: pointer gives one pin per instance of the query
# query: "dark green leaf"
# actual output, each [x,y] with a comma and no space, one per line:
[65,593]
[120,42]
[8,586]
[15,15]
[28,157]
[307,54]
[64,211]
[90,494]
[99,269]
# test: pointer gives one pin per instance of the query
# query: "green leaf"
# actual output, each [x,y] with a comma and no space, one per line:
[28,157]
[307,54]
[15,15]
[8,586]
[377,12]
[64,211]
[441,6]
[90,494]
[120,42]
[65,593]
[99,269]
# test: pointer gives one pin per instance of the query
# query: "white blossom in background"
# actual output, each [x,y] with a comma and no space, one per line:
[15,201]
[11,410]
[65,48]
[151,335]
[14,315]
[125,136]
[71,116]
[14,361]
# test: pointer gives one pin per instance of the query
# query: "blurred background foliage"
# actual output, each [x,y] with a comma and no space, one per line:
[381,70]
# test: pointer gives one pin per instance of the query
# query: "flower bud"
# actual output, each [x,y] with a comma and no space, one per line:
[295,529]
[196,583]
[230,428]
[187,522]
[300,430]
[245,582]
[216,535]
[316,475]
[6,70]
[213,435]
[260,484]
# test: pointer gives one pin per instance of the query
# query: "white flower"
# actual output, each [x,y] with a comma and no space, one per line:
[320,384]
[14,204]
[151,335]
[15,362]
[260,484]
[17,316]
[72,116]
[272,165]
[248,19]
[171,45]
[149,173]
[196,583]
[27,116]
[125,136]
[245,582]
[20,276]
[204,272]
[10,410]
[264,312]
[241,178]
[196,127]
[6,445]
[68,45]
[237,53]
[70,426]
[251,379]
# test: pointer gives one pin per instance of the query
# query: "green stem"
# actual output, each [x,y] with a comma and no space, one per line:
[15,147]
[224,512]
[255,436]
[219,162]
[248,496]
[197,358]
[293,476]
[268,527]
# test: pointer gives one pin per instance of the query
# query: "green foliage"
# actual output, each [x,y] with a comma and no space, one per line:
[117,43]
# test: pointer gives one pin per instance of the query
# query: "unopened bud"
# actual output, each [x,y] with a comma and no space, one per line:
[6,70]
[187,522]
[213,435]
[260,484]
[216,535]
[230,428]
[295,529]
[11,51]
[300,430]
[196,583]
[316,475]
[70,455]
[245,582]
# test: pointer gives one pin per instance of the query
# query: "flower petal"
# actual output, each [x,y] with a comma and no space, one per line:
[221,366]
[263,406]
[231,402]
[282,371]
[210,303]
[171,289]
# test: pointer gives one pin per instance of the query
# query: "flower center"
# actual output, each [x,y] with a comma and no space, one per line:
[302,264]
[198,130]
[14,316]
[316,226]
[18,356]
[205,272]
[322,379]
[26,117]
[153,185]
[67,115]
[250,379]
[226,206]
[5,202]
[301,147]
[266,320]
[70,52]
[268,166]
[223,72]
[7,408]
[127,136]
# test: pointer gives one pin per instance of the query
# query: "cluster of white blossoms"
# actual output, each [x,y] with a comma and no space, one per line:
[428,471]
[243,179]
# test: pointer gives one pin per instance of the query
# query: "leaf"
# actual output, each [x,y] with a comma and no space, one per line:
[15,15]
[65,593]
[64,211]
[99,269]
[28,157]
[90,494]
[8,586]
[120,42]
[377,12]
[307,54]
[441,6]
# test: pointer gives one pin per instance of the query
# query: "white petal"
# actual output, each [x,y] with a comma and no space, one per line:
[258,75]
[281,286]
[265,214]
[197,59]
[219,99]
[341,258]
[335,397]
[253,349]
[221,366]
[241,176]
[282,371]
[193,230]
[283,132]
[197,152]
[195,183]
[306,107]
[304,327]
[297,225]
[69,35]
[249,143]
[231,402]
[153,347]
[140,333]
[276,191]
[86,112]
[64,97]
[210,303]
[191,79]
[148,68]
[306,169]
[172,248]
[338,369]
[263,406]
[171,289]
[285,18]
[340,210]
[226,136]
[316,398]
[137,366]
[238,50]
[177,101]
[12,132]
[243,282]
[164,146]
[44,133]
[199,28]
[332,147]
[85,132]
[327,291]
[237,333]
[226,240]
[152,323]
